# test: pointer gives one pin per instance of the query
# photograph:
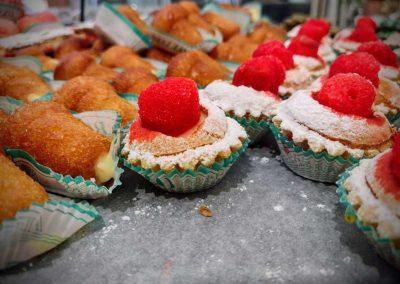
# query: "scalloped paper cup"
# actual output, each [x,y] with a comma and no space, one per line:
[189,181]
[315,166]
[42,227]
[254,129]
[384,246]
[118,29]
[175,45]
[107,123]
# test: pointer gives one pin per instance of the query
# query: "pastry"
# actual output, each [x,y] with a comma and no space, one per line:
[370,193]
[123,57]
[21,83]
[159,54]
[184,143]
[133,80]
[197,66]
[322,133]
[264,32]
[238,48]
[134,17]
[251,98]
[17,190]
[227,27]
[85,93]
[58,140]
[72,65]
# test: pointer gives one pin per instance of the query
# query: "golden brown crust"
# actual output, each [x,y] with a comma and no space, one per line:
[100,72]
[70,45]
[199,22]
[48,63]
[167,16]
[159,54]
[134,80]
[55,138]
[238,48]
[264,32]
[227,27]
[72,65]
[123,57]
[17,190]
[198,66]
[185,31]
[20,83]
[190,7]
[84,93]
[133,16]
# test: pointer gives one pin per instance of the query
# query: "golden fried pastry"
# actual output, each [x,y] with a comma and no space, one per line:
[101,72]
[21,83]
[134,80]
[17,190]
[33,50]
[227,27]
[199,22]
[48,63]
[56,139]
[198,66]
[185,31]
[239,48]
[159,54]
[167,16]
[190,6]
[264,32]
[72,65]
[85,93]
[124,57]
[70,45]
[134,17]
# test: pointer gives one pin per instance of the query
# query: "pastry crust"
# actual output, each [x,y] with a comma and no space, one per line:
[134,80]
[264,32]
[72,65]
[123,57]
[238,48]
[227,27]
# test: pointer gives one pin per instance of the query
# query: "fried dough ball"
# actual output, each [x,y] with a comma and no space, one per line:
[198,66]
[56,139]
[21,83]
[168,16]
[239,48]
[133,16]
[190,6]
[159,54]
[100,72]
[72,65]
[48,63]
[70,45]
[123,57]
[85,93]
[227,27]
[199,22]
[263,32]
[134,80]
[17,190]
[185,31]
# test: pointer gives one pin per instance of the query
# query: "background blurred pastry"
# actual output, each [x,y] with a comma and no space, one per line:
[263,32]
[134,80]
[133,16]
[123,57]
[72,65]
[159,54]
[237,49]
[227,27]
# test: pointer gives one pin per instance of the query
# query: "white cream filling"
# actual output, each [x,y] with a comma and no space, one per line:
[241,100]
[389,72]
[371,210]
[190,158]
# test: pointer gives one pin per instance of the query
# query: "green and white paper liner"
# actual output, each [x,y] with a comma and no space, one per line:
[189,181]
[118,29]
[175,45]
[384,246]
[254,129]
[27,61]
[315,166]
[105,122]
[42,227]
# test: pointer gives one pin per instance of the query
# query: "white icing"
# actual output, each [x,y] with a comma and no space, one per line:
[316,85]
[310,63]
[294,32]
[371,209]
[341,43]
[296,79]
[190,158]
[393,39]
[31,38]
[241,100]
[384,109]
[389,72]
[325,51]
[301,113]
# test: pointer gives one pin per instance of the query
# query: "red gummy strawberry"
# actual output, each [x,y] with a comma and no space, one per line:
[277,49]
[265,73]
[395,163]
[170,106]
[361,63]
[312,31]
[304,45]
[323,24]
[348,94]
[363,33]
[381,51]
[366,21]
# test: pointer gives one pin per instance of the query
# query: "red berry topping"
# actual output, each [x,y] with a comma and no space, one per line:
[323,24]
[348,94]
[265,73]
[277,49]
[305,46]
[312,31]
[363,33]
[366,21]
[362,63]
[170,106]
[396,156]
[381,51]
